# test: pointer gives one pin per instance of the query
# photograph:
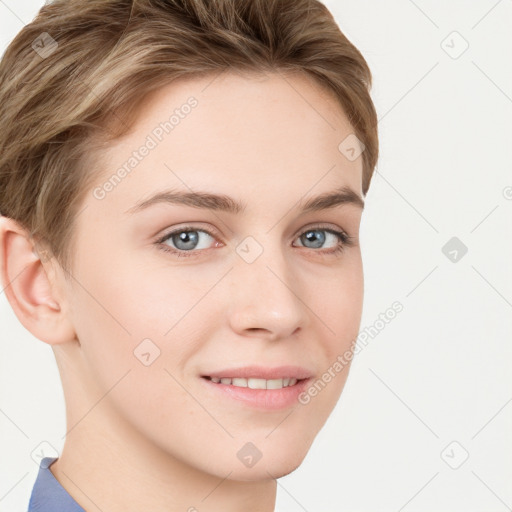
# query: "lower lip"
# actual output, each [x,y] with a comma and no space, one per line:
[265,399]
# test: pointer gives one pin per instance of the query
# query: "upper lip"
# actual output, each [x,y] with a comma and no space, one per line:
[262,372]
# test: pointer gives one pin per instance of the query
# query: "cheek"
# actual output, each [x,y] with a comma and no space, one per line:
[340,307]
[137,335]
[149,320]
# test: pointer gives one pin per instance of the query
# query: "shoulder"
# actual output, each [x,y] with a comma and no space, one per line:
[48,494]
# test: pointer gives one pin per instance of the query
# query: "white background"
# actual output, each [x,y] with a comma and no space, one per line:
[441,370]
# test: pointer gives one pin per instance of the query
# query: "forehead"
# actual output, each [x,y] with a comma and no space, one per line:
[251,133]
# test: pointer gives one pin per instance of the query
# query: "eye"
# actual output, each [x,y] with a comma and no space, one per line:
[316,237]
[187,241]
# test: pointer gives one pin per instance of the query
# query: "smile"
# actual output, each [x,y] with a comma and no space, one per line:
[255,383]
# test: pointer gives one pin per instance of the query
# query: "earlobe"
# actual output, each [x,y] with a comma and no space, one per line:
[28,287]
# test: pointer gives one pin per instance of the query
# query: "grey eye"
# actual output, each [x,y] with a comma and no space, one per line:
[187,239]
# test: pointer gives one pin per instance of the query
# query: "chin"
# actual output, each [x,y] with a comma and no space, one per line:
[265,470]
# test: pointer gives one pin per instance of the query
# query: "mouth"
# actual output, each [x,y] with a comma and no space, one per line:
[263,389]
[255,382]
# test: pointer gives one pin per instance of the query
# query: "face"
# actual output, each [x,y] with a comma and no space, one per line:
[168,292]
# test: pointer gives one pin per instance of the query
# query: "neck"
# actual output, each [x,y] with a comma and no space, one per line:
[106,465]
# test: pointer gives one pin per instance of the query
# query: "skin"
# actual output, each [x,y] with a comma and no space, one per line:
[150,437]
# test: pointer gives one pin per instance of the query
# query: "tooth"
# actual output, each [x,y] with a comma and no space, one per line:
[274,384]
[257,383]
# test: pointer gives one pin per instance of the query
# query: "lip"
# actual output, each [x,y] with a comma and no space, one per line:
[262,372]
[260,399]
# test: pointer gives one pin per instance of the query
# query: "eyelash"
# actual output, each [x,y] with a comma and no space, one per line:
[345,241]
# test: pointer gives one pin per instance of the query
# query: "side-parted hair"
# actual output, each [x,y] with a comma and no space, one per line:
[58,109]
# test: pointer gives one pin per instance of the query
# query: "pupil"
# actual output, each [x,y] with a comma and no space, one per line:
[312,235]
[188,238]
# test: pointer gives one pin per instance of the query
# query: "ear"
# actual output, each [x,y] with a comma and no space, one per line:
[25,279]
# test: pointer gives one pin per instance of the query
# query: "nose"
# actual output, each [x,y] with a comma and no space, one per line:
[266,299]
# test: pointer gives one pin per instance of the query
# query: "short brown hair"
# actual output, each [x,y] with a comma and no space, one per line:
[56,109]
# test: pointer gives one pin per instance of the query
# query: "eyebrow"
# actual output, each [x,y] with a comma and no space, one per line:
[205,200]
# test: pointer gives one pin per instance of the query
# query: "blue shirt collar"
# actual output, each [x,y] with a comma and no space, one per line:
[48,495]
